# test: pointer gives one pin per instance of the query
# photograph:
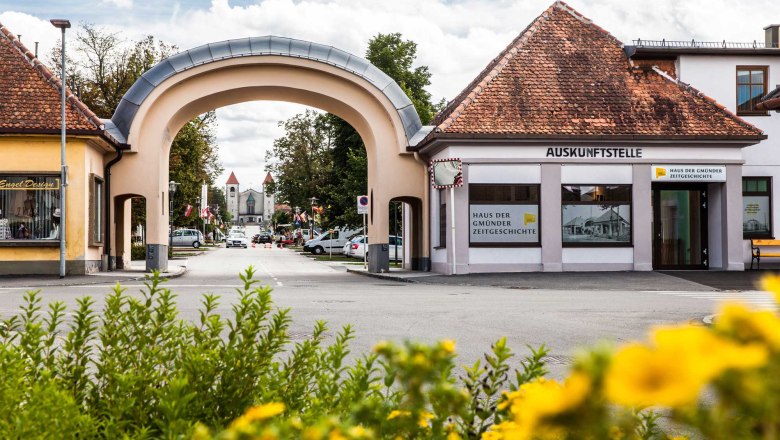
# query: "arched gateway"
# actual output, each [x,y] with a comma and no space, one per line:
[268,68]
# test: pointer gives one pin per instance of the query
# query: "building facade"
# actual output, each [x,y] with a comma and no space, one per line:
[249,206]
[30,183]
[577,158]
[737,76]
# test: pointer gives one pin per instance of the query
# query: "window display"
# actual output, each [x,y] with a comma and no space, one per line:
[503,215]
[29,207]
[596,215]
[757,207]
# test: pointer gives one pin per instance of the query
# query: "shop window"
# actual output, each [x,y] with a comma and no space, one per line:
[596,215]
[29,207]
[757,207]
[751,87]
[503,215]
[442,219]
[96,196]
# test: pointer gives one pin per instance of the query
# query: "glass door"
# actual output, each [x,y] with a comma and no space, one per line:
[680,226]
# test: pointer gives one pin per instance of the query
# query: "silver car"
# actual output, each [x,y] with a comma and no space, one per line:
[187,237]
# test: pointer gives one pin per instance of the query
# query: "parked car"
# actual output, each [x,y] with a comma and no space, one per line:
[396,247]
[262,238]
[331,241]
[237,239]
[187,237]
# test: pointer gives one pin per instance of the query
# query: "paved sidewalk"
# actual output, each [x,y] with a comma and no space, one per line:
[639,281]
[136,271]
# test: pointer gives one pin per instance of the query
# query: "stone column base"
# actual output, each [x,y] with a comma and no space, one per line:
[379,258]
[157,257]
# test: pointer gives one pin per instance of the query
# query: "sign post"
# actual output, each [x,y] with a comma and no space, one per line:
[448,173]
[362,208]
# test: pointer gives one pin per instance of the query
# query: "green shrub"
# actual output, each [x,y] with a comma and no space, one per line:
[135,370]
[138,252]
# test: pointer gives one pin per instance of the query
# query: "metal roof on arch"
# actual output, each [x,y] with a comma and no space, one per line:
[119,125]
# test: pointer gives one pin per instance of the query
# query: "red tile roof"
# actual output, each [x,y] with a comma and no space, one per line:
[268,179]
[232,179]
[30,94]
[565,77]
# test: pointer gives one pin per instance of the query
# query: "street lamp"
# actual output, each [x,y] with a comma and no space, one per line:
[312,224]
[62,24]
[171,191]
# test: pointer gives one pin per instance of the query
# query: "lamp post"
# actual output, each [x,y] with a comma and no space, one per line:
[313,223]
[62,24]
[171,191]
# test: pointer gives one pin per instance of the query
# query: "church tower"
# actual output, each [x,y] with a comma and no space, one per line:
[232,197]
[268,199]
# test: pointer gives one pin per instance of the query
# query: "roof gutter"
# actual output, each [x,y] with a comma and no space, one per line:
[120,149]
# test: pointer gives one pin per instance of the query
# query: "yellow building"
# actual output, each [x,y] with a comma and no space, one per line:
[30,187]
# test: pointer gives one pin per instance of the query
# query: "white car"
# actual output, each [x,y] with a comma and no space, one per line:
[237,239]
[360,242]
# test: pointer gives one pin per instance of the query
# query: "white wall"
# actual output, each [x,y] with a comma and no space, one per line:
[716,76]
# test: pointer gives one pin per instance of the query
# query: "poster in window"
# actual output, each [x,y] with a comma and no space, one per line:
[505,224]
[592,223]
[755,215]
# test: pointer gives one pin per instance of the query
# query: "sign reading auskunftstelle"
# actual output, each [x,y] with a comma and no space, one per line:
[504,224]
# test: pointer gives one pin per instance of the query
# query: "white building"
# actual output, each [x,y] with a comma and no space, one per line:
[736,75]
[249,206]
[577,155]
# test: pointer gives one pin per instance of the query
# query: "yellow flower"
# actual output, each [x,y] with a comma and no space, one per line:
[453,436]
[359,432]
[425,417]
[448,345]
[398,413]
[771,283]
[641,376]
[749,326]
[420,360]
[492,435]
[336,435]
[709,353]
[257,413]
[313,433]
[263,412]
[380,346]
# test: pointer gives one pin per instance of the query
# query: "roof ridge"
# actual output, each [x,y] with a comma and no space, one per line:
[708,99]
[491,71]
[494,68]
[53,80]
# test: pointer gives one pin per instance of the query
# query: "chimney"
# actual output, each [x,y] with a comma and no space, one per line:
[772,35]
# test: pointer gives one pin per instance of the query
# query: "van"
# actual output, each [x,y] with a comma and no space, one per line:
[332,241]
[187,237]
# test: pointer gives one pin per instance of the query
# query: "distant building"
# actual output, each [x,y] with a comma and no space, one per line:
[249,206]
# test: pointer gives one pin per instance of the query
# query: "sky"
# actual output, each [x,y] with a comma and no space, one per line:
[455,38]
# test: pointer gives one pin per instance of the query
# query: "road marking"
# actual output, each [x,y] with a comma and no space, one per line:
[761,300]
[279,283]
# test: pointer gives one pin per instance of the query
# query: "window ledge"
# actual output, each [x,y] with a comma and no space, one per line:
[29,243]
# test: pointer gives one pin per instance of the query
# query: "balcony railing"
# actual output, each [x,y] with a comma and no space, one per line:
[693,44]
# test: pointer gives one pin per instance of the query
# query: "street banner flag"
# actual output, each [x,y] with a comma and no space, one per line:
[188,210]
[204,213]
[204,195]
[304,217]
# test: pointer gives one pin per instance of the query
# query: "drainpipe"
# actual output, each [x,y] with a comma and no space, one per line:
[107,203]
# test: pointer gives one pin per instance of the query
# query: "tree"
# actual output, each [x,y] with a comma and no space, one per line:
[103,68]
[300,159]
[323,156]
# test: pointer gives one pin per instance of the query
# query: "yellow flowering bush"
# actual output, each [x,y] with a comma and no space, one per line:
[718,382]
[135,370]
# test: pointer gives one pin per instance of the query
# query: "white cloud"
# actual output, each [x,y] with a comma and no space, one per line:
[123,4]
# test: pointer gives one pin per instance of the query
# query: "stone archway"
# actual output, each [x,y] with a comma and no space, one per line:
[278,69]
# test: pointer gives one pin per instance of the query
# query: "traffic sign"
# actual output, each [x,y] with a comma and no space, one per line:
[362,204]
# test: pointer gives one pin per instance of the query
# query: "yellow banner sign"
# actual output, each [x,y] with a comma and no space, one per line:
[28,185]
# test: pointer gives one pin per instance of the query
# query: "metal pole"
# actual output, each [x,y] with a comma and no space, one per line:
[452,229]
[365,239]
[395,229]
[63,167]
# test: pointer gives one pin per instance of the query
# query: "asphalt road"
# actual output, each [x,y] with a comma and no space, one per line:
[473,315]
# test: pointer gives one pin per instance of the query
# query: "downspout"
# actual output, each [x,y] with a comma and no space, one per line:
[107,203]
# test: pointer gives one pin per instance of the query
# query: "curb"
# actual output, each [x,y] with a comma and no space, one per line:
[382,276]
[97,280]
